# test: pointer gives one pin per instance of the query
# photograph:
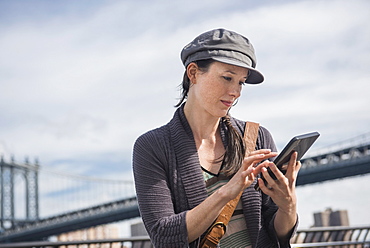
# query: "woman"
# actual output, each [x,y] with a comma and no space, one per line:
[187,170]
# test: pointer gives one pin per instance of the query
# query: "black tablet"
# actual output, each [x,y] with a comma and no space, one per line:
[300,144]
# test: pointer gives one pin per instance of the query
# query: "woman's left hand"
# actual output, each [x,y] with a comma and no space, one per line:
[282,192]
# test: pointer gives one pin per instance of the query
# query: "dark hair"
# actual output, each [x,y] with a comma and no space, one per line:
[233,157]
[203,65]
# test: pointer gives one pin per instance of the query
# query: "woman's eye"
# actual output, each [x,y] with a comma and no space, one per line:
[242,83]
[227,78]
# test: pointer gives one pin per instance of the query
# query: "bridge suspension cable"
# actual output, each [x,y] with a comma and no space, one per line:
[64,192]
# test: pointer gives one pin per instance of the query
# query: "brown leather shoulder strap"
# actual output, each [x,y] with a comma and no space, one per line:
[250,136]
[218,229]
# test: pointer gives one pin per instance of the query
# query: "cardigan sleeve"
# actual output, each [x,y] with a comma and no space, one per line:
[165,227]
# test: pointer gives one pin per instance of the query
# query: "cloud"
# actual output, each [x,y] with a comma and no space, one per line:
[315,73]
[80,82]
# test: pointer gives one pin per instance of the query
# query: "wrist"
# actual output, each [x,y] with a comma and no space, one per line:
[288,210]
[224,194]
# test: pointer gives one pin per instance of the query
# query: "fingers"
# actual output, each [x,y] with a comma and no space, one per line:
[263,186]
[241,180]
[258,156]
[258,168]
[268,184]
[293,166]
[264,151]
[249,173]
[275,178]
[272,174]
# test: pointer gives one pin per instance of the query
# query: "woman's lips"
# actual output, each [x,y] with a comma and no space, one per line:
[227,103]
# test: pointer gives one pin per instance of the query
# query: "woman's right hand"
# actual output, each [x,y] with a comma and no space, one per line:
[248,172]
[202,216]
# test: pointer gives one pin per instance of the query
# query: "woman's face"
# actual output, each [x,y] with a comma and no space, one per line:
[215,90]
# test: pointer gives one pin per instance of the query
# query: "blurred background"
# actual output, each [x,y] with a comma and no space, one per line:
[81,80]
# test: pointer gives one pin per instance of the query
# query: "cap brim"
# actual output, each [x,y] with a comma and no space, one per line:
[254,77]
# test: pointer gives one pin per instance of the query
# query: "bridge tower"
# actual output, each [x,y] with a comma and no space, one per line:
[29,174]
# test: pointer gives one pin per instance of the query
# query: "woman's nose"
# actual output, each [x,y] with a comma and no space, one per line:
[235,90]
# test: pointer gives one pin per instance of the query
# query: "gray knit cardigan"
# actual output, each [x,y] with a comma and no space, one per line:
[169,182]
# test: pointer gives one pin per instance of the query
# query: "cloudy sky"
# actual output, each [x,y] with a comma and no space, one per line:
[80,80]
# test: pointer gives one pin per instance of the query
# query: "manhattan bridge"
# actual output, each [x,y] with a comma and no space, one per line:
[70,202]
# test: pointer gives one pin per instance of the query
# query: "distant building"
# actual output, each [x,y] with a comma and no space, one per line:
[93,233]
[331,218]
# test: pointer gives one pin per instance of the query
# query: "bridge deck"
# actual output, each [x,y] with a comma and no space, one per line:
[339,164]
[81,219]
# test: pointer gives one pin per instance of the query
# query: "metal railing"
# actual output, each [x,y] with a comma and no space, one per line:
[336,236]
[133,242]
[330,237]
[337,244]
